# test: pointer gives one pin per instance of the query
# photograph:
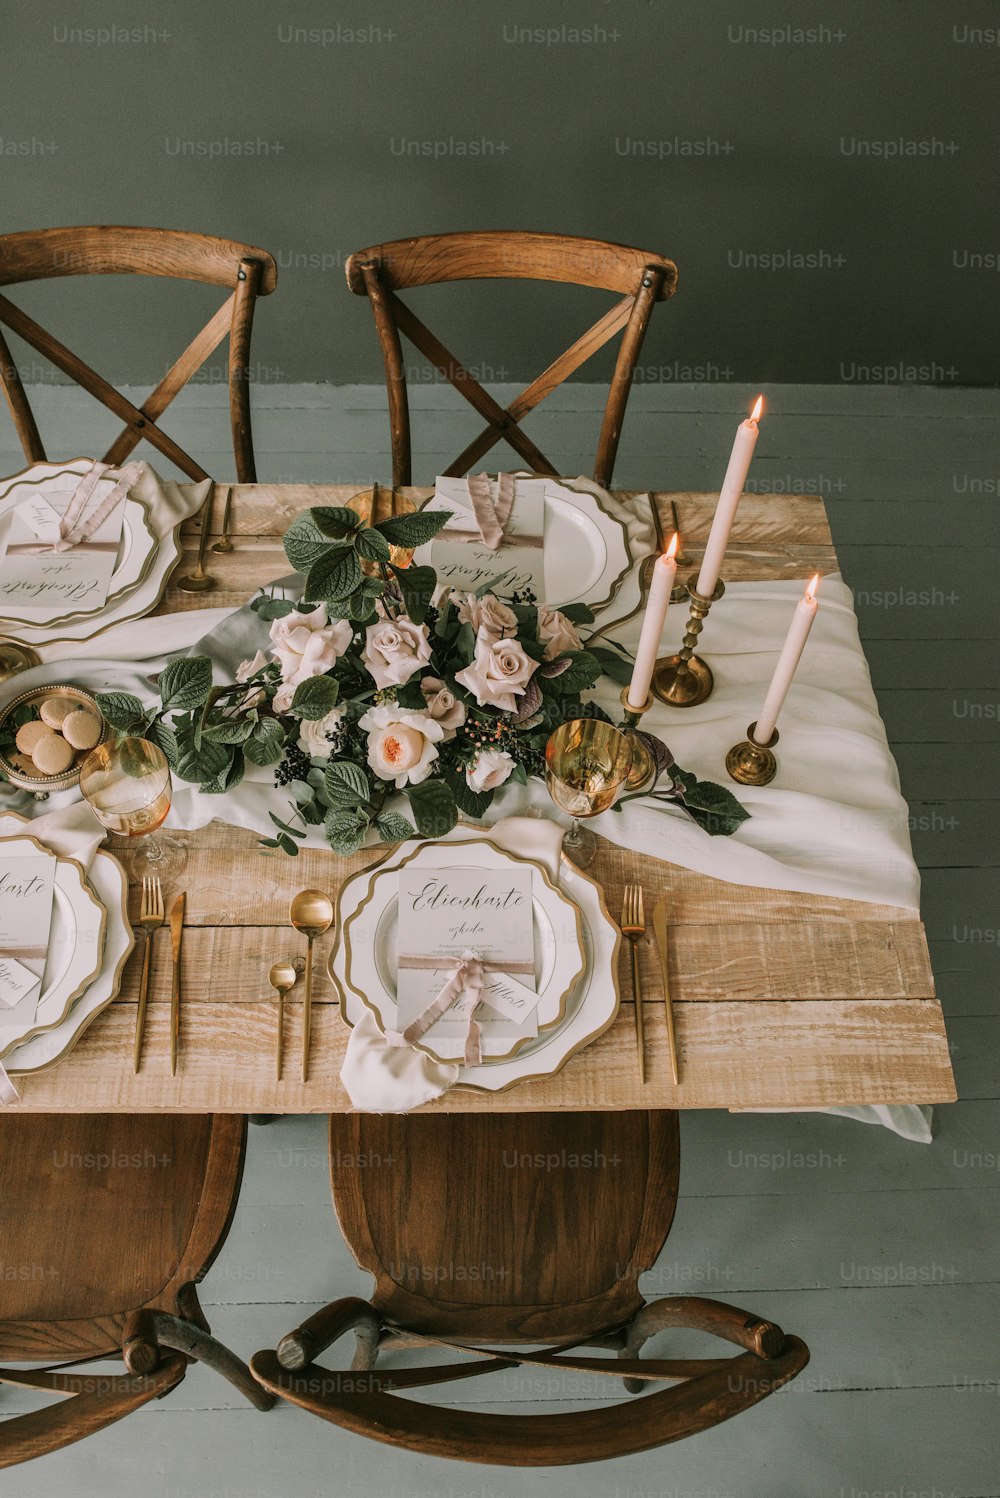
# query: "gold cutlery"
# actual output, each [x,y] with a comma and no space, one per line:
[150,919]
[282,977]
[199,581]
[633,926]
[660,932]
[224,544]
[176,937]
[311,913]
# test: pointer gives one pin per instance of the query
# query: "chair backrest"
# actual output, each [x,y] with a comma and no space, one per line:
[105,249]
[381,271]
[512,1227]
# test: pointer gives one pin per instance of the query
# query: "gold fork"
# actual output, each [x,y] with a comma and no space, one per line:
[150,918]
[633,926]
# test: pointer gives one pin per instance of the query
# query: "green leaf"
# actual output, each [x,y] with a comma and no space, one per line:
[417,586]
[345,831]
[204,764]
[372,545]
[470,803]
[465,644]
[165,740]
[335,521]
[415,529]
[333,576]
[185,684]
[120,710]
[433,806]
[304,542]
[577,613]
[267,608]
[266,744]
[227,730]
[714,807]
[346,784]
[285,827]
[287,846]
[615,666]
[392,828]
[315,697]
[583,670]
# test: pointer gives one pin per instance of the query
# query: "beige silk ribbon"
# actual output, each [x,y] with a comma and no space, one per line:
[492,515]
[71,532]
[467,981]
[8,1092]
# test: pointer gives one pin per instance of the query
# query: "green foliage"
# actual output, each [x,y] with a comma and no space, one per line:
[185,684]
[315,697]
[415,529]
[121,711]
[433,806]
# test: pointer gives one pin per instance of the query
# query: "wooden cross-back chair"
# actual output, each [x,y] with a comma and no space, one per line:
[517,1228]
[38,255]
[107,1222]
[641,278]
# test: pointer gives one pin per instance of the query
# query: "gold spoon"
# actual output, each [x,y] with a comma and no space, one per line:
[282,977]
[311,913]
[199,581]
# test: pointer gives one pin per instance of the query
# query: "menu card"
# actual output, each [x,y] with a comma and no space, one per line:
[445,912]
[27,882]
[42,583]
[460,558]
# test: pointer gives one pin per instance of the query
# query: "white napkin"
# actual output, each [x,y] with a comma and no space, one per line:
[72,831]
[380,1078]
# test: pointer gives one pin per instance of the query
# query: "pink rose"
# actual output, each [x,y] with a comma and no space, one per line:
[442,704]
[492,768]
[556,632]
[307,645]
[499,673]
[486,613]
[394,649]
[401,743]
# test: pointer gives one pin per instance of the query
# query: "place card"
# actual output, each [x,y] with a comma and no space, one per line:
[43,583]
[16,981]
[445,912]
[462,560]
[27,884]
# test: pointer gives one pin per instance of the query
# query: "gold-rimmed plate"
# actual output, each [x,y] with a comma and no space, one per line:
[368,937]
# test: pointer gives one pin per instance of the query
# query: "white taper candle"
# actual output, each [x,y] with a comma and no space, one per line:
[729,498]
[664,572]
[795,642]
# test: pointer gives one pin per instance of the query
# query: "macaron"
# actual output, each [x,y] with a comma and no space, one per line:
[81,729]
[55,710]
[30,734]
[53,755]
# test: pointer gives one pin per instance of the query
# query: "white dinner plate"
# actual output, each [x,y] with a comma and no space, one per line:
[590,1009]
[75,952]
[108,882]
[369,938]
[136,549]
[587,553]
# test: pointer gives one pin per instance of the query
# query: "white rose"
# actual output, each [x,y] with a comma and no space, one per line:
[246,669]
[314,734]
[499,673]
[486,613]
[556,632]
[442,704]
[307,645]
[394,649]
[282,699]
[401,743]
[491,768]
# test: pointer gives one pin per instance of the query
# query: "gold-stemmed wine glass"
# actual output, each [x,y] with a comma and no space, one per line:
[127,785]
[587,766]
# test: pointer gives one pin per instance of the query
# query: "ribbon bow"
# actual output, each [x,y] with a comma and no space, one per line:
[71,530]
[467,981]
[491,514]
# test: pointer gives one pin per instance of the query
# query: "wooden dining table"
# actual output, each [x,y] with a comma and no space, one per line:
[782,1000]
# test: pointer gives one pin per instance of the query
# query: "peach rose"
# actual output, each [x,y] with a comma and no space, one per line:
[486,613]
[307,645]
[401,743]
[556,632]
[442,704]
[499,673]
[394,649]
[490,769]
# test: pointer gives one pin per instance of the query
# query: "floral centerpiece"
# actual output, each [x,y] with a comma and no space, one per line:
[378,681]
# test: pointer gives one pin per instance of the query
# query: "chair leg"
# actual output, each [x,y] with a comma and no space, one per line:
[146,1332]
[636,1334]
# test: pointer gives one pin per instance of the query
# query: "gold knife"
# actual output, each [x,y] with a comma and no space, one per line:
[660,932]
[176,937]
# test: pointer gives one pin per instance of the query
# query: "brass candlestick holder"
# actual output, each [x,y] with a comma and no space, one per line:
[643,771]
[684,680]
[751,763]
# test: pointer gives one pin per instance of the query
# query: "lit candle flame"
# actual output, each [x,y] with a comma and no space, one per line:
[758,408]
[811,589]
[673,548]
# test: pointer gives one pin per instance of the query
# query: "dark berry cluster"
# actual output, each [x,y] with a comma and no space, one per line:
[294,766]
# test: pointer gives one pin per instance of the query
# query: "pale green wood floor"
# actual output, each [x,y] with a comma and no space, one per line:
[883,1255]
